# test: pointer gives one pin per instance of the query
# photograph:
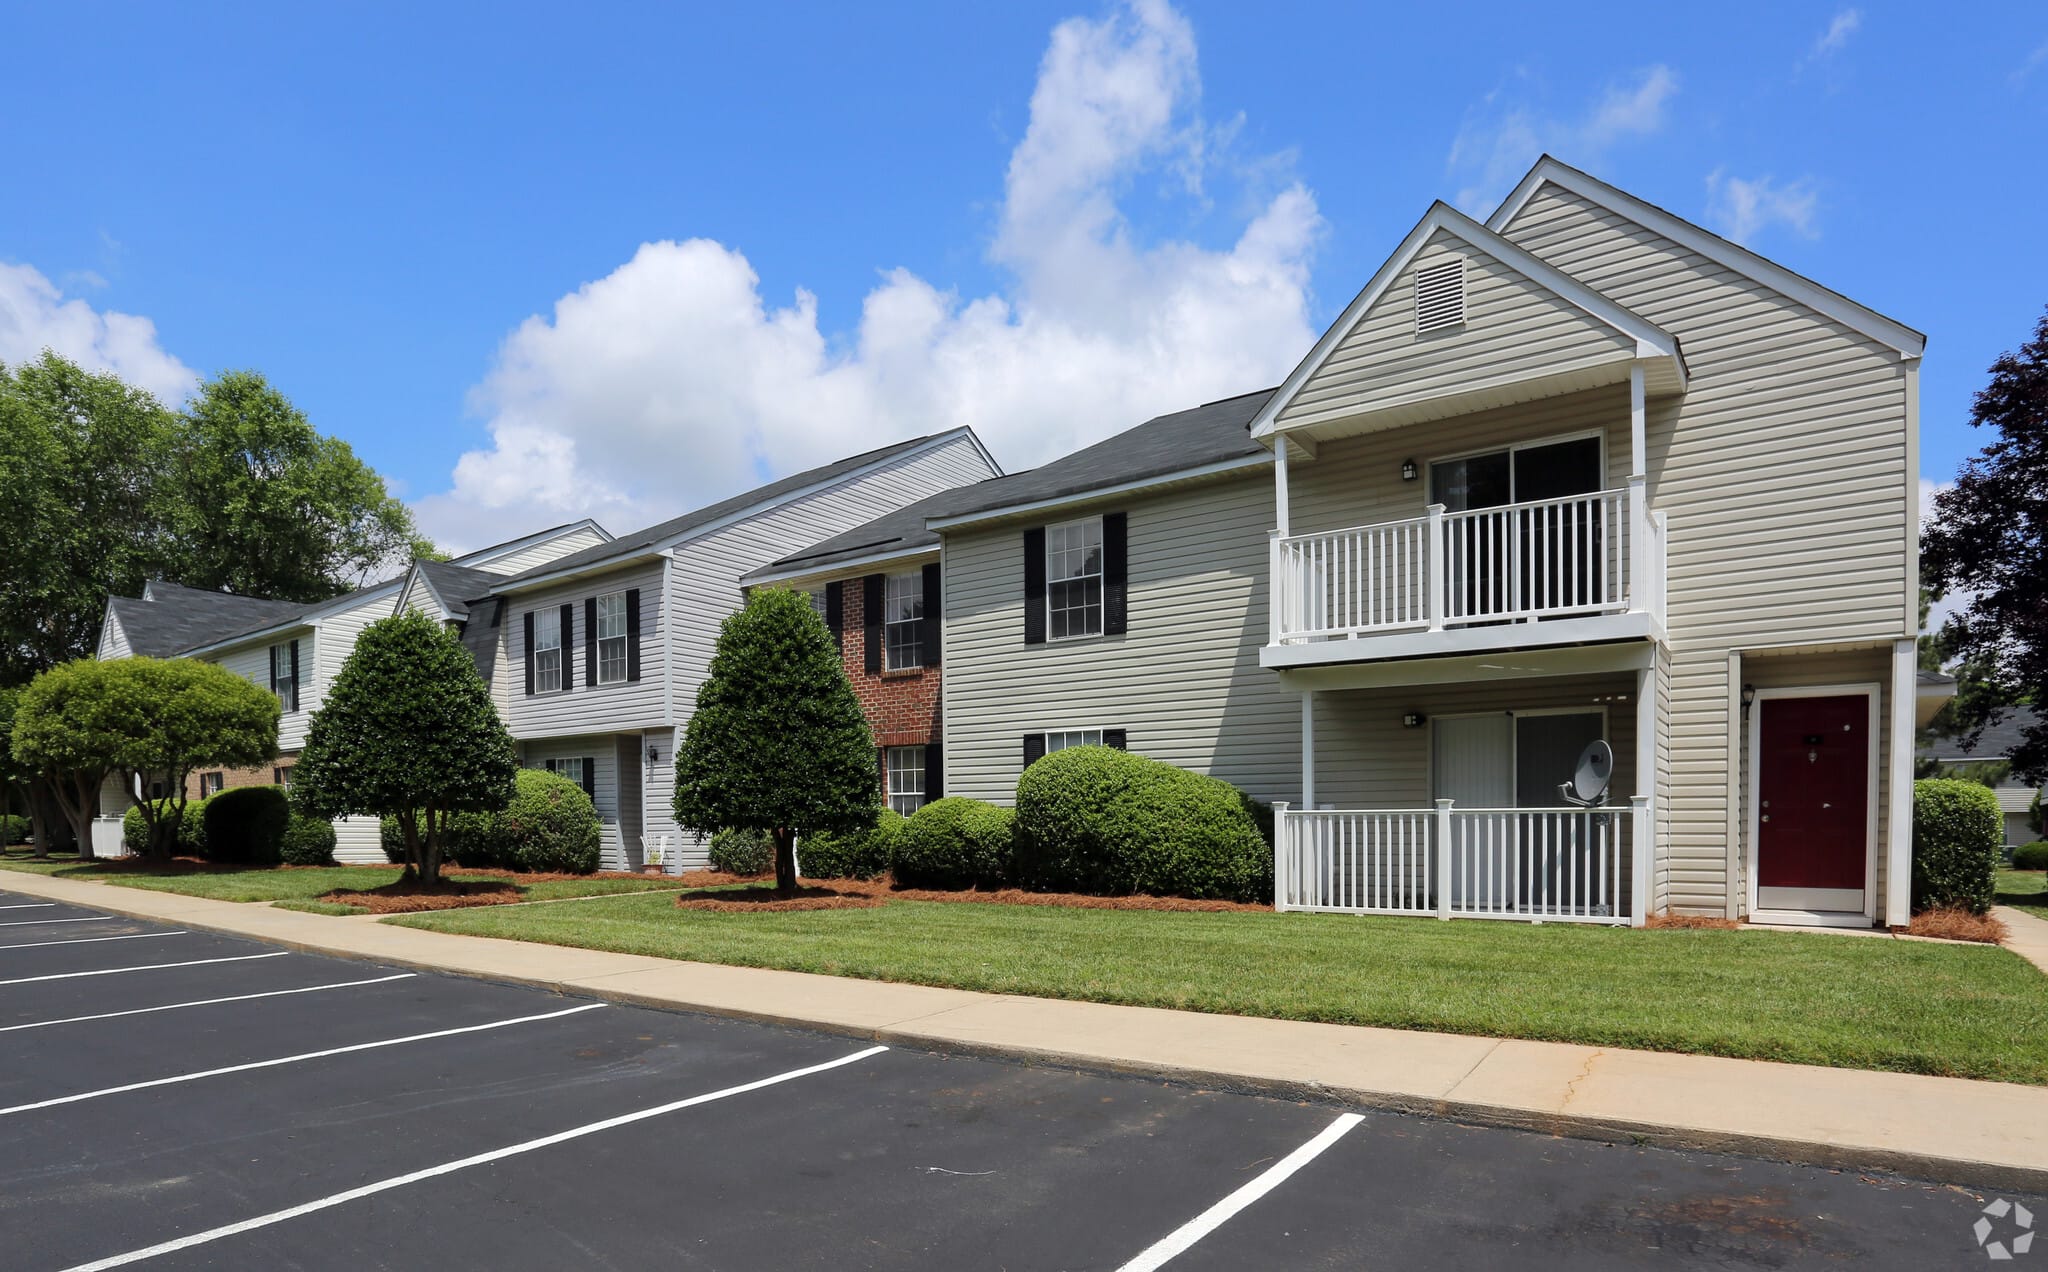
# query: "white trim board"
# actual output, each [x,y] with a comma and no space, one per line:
[1802,912]
[1175,477]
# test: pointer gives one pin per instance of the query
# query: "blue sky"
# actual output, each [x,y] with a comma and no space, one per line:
[536,262]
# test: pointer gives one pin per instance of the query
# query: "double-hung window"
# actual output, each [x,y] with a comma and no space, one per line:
[611,638]
[284,675]
[906,779]
[547,650]
[1060,741]
[1073,579]
[211,784]
[903,615]
[282,776]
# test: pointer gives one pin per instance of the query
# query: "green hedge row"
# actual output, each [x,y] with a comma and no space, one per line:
[245,826]
[1958,830]
[549,826]
[2033,856]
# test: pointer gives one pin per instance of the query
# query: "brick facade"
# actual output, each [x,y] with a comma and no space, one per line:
[902,707]
[265,775]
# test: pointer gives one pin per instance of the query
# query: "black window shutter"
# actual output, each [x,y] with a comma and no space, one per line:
[590,641]
[871,620]
[835,612]
[882,767]
[1034,587]
[295,675]
[1116,738]
[929,638]
[1034,748]
[590,778]
[632,633]
[934,773]
[568,648]
[1115,573]
[529,653]
[273,669]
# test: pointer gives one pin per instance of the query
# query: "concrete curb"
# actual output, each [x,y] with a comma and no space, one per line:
[1980,1134]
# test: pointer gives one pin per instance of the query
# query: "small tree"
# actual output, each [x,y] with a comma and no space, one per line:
[778,742]
[67,728]
[408,732]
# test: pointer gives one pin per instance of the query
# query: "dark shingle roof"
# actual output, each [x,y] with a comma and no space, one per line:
[1165,444]
[1999,739]
[177,618]
[628,545]
[458,585]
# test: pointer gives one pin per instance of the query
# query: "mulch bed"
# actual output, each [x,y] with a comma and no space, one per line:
[862,894]
[1956,924]
[409,896]
[1670,922]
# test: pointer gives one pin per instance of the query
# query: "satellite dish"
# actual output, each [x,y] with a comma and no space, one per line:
[1595,769]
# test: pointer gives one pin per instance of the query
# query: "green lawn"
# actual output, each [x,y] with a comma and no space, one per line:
[2024,889]
[1860,1003]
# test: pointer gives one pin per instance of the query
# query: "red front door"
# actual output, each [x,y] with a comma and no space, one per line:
[1813,802]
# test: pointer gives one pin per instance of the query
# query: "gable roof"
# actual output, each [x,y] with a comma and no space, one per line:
[1651,340]
[169,617]
[645,542]
[2000,739]
[1896,335]
[1177,446]
[455,586]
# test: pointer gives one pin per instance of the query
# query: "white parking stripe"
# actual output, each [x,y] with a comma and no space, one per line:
[97,918]
[146,967]
[1180,1239]
[307,1055]
[31,905]
[88,940]
[206,1002]
[449,1168]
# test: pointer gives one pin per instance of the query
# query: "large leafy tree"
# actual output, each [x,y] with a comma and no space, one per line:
[102,487]
[1988,543]
[778,742]
[407,731]
[263,505]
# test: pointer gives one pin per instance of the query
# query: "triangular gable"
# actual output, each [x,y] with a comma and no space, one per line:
[1903,340]
[1526,320]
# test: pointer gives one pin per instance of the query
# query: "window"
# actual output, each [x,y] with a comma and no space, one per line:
[1073,579]
[820,605]
[903,615]
[1072,737]
[282,776]
[547,650]
[211,783]
[906,779]
[284,675]
[579,769]
[611,638]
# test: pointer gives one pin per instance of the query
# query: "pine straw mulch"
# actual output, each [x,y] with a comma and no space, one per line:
[1669,922]
[863,894]
[409,896]
[1952,923]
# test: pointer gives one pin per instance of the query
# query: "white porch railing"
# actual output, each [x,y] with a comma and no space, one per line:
[1548,558]
[1569,865]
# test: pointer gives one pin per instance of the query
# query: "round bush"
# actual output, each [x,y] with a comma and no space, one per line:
[1096,819]
[308,841]
[742,852]
[2033,856]
[190,840]
[956,843]
[862,854]
[13,830]
[550,826]
[1957,832]
[246,825]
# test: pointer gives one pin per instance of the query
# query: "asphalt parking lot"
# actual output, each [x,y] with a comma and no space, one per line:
[179,1100]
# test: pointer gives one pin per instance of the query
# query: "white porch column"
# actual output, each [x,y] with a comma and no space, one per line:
[1280,483]
[1308,751]
[1638,425]
[1645,801]
[1898,857]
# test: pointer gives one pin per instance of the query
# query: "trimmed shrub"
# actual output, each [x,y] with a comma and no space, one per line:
[392,840]
[13,830]
[860,855]
[1096,819]
[246,825]
[2033,856]
[742,852]
[308,841]
[550,826]
[191,834]
[1957,832]
[956,843]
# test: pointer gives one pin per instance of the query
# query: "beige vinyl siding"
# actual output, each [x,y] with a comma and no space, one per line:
[420,597]
[602,752]
[252,663]
[336,640]
[1515,329]
[586,708]
[113,639]
[1783,475]
[1185,681]
[357,842]
[536,555]
[1356,481]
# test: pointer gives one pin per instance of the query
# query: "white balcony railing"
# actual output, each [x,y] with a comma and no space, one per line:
[1569,865]
[1597,553]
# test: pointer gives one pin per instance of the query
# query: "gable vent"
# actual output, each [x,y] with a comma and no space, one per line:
[1440,295]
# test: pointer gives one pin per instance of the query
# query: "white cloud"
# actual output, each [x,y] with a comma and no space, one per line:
[1742,209]
[1503,134]
[34,316]
[2035,61]
[1836,36]
[672,381]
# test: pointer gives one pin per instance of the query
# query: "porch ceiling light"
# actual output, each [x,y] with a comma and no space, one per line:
[1408,470]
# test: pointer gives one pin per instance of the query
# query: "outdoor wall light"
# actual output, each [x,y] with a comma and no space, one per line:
[653,755]
[1408,470]
[1748,694]
[1412,720]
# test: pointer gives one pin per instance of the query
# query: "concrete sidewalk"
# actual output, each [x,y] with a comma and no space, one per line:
[1986,1134]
